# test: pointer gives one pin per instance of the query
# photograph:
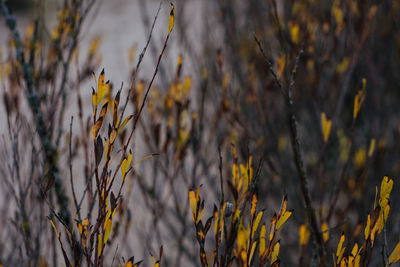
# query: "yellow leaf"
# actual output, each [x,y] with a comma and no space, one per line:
[386,189]
[96,127]
[242,238]
[171,19]
[272,230]
[360,157]
[107,228]
[193,203]
[343,66]
[262,239]
[216,222]
[113,135]
[367,228]
[283,206]
[253,205]
[325,126]
[124,167]
[256,223]
[371,147]
[55,228]
[354,251]
[285,216]
[103,110]
[100,245]
[359,99]
[304,235]
[395,255]
[187,85]
[275,253]
[94,97]
[340,249]
[200,213]
[325,231]
[253,248]
[386,212]
[235,174]
[102,91]
[294,33]
[124,122]
[102,88]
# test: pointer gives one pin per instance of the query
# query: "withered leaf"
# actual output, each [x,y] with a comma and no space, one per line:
[99,149]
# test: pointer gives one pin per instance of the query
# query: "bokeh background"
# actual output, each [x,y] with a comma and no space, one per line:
[213,89]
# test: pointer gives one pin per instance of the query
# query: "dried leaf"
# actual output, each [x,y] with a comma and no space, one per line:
[99,150]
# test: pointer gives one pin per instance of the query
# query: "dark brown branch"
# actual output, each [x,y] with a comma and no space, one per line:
[298,157]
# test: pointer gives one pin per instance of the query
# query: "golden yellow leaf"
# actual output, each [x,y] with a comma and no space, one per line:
[275,252]
[55,228]
[216,221]
[304,235]
[107,228]
[193,204]
[359,99]
[371,147]
[325,231]
[285,216]
[253,248]
[171,19]
[254,201]
[256,223]
[235,174]
[187,85]
[386,189]
[386,212]
[325,126]
[124,122]
[367,230]
[272,230]
[340,249]
[124,167]
[242,238]
[262,239]
[395,255]
[200,213]
[96,127]
[294,33]
[100,245]
[102,88]
[113,135]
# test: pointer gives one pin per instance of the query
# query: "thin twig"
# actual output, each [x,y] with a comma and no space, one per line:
[221,177]
[298,157]
[70,166]
[139,63]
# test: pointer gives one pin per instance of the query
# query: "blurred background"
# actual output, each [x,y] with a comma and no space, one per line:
[213,91]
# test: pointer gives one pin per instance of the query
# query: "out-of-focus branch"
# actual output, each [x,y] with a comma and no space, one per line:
[296,146]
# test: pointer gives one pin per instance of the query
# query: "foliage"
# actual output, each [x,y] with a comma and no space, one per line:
[290,103]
